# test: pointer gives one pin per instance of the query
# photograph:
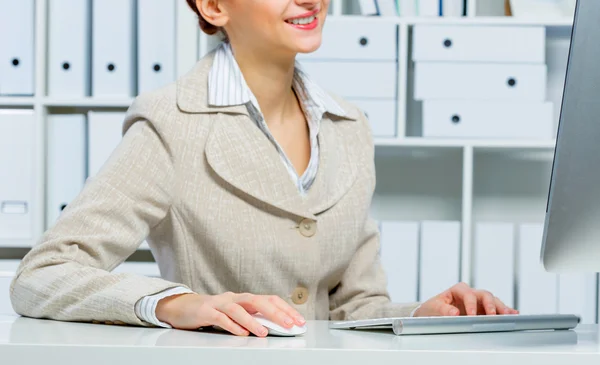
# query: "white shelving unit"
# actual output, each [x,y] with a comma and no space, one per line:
[467,180]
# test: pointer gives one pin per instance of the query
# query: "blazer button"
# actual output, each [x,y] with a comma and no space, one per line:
[300,295]
[308,227]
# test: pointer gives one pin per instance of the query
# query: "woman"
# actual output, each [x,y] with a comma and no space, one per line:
[252,186]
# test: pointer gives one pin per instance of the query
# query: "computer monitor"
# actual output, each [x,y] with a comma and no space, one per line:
[571,239]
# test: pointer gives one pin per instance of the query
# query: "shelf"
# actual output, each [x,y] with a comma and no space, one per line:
[17,243]
[481,20]
[88,102]
[458,143]
[16,101]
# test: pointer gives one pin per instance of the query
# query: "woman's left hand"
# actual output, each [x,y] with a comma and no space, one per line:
[463,300]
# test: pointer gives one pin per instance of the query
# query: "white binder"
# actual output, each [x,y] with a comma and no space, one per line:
[8,269]
[104,135]
[453,8]
[408,7]
[17,47]
[488,119]
[577,294]
[429,7]
[66,162]
[17,150]
[400,259]
[493,263]
[480,81]
[537,289]
[439,257]
[156,44]
[113,49]
[69,40]
[381,115]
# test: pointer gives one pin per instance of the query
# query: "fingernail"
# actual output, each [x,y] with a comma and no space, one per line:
[288,321]
[472,312]
[492,310]
[454,312]
[300,320]
[262,331]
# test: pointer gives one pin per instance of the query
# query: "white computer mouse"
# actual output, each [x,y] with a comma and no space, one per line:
[277,330]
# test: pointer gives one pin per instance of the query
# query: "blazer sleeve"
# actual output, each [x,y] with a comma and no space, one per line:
[362,291]
[67,275]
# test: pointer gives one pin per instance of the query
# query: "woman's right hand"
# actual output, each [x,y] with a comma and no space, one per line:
[230,311]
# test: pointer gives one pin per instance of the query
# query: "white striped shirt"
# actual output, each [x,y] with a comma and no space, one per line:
[227,87]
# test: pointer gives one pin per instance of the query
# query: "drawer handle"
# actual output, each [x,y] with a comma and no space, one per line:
[157,67]
[363,41]
[16,62]
[512,82]
[66,66]
[447,43]
[111,67]
[456,119]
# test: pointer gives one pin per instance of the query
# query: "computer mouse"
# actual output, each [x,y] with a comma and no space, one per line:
[277,330]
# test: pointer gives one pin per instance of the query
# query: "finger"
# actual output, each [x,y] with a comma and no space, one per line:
[217,318]
[271,311]
[288,309]
[444,309]
[501,307]
[243,318]
[467,296]
[487,302]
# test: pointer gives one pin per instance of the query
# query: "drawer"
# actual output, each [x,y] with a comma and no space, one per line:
[525,44]
[482,81]
[358,80]
[347,39]
[468,119]
[138,268]
[381,114]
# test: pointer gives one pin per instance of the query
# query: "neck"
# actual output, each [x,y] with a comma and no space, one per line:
[270,78]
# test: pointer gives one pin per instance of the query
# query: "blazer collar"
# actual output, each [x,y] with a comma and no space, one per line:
[193,93]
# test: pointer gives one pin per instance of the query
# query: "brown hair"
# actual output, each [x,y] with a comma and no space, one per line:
[204,25]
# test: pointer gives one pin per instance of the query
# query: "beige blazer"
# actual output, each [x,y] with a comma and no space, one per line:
[220,212]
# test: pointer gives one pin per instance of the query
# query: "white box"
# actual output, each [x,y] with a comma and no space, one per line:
[577,294]
[69,47]
[347,39]
[113,48]
[479,43]
[480,81]
[439,257]
[400,259]
[156,44]
[430,8]
[381,115]
[17,152]
[66,162]
[105,131]
[349,79]
[17,47]
[537,289]
[493,260]
[8,269]
[483,119]
[139,268]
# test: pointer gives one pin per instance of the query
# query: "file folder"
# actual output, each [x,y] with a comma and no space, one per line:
[156,44]
[537,289]
[113,48]
[104,135]
[400,259]
[493,264]
[66,169]
[439,257]
[17,150]
[69,47]
[17,47]
[577,294]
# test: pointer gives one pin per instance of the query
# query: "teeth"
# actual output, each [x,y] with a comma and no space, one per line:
[301,21]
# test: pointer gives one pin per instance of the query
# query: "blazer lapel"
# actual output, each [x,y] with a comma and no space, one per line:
[337,167]
[243,156]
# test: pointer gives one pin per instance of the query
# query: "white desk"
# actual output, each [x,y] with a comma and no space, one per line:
[31,341]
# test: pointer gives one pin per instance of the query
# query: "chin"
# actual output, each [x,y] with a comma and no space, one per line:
[308,45]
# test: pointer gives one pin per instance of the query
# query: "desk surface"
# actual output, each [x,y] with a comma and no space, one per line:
[28,341]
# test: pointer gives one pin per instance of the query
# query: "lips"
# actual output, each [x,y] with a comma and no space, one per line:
[305,21]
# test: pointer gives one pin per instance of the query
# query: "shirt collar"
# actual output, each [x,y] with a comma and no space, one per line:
[227,86]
